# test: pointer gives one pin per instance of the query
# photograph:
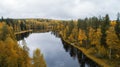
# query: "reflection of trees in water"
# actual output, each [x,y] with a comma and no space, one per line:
[75,53]
[22,36]
[25,45]
[23,42]
[40,31]
[65,46]
[56,34]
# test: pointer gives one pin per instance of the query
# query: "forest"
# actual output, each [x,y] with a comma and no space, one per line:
[98,36]
[14,55]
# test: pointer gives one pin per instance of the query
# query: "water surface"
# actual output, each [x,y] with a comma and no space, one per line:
[56,52]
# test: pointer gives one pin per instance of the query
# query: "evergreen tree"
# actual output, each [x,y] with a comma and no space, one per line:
[117,27]
[104,27]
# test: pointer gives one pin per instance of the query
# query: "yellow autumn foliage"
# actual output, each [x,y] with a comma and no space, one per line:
[81,36]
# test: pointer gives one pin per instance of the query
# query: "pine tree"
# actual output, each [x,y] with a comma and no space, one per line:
[117,26]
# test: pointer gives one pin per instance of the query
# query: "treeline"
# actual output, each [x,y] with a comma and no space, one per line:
[14,55]
[99,35]
[27,24]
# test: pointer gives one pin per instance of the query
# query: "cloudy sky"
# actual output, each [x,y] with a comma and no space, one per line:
[58,9]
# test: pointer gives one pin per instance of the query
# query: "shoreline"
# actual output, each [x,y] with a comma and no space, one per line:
[25,31]
[99,61]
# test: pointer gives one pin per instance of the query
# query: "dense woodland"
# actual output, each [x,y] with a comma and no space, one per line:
[99,35]
[14,55]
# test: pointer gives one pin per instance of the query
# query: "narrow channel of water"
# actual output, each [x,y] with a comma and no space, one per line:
[56,52]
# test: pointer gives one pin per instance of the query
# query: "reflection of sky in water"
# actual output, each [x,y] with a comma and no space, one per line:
[52,49]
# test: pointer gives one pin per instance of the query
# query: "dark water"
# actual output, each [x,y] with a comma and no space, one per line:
[56,52]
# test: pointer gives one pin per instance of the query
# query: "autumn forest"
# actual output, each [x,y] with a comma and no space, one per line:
[97,37]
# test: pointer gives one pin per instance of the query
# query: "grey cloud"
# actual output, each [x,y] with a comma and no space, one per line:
[59,9]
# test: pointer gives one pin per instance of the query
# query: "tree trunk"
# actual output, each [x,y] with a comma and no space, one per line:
[110,54]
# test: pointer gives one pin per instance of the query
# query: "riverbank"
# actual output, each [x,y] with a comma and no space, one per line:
[101,62]
[23,32]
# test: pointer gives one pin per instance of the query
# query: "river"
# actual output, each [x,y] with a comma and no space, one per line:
[56,52]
